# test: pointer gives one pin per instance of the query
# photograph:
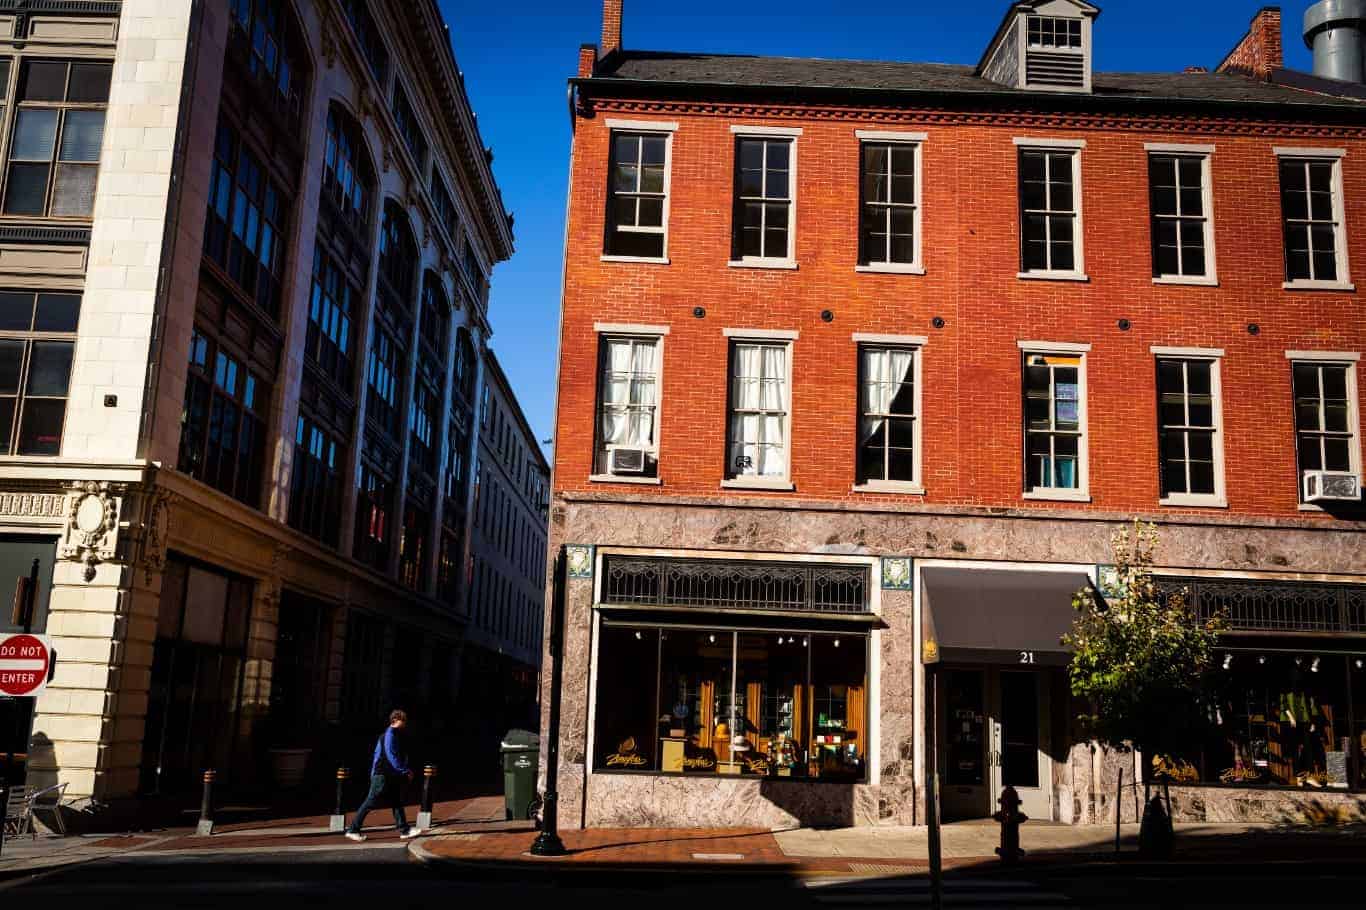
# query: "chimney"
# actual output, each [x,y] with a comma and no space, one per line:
[588,59]
[611,26]
[1335,29]
[1259,53]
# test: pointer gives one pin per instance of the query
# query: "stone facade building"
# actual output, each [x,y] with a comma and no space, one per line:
[242,341]
[862,366]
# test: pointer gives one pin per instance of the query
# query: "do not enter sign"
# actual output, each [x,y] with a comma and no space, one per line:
[25,664]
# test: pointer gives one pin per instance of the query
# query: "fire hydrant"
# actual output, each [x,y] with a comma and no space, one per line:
[1010,818]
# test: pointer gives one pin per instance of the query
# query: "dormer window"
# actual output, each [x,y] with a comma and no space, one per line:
[1042,46]
[1046,31]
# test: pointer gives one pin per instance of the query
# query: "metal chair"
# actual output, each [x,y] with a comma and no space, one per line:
[18,812]
[48,798]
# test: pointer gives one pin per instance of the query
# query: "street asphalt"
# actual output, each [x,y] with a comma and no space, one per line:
[387,876]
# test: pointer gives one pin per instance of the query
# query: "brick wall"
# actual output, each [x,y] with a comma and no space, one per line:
[972,436]
[1260,50]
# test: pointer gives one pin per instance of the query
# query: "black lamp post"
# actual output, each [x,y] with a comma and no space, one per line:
[548,842]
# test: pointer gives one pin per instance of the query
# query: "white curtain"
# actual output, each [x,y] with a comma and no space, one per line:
[628,393]
[884,372]
[758,424]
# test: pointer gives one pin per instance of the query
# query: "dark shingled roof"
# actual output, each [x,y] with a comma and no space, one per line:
[723,70]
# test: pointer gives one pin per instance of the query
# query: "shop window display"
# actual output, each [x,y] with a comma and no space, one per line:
[1358,671]
[720,702]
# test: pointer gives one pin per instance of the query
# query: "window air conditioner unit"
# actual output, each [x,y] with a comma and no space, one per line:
[1331,486]
[626,459]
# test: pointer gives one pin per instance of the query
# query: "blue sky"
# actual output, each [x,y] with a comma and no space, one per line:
[516,60]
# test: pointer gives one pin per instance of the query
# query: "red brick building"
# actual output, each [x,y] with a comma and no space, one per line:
[862,365]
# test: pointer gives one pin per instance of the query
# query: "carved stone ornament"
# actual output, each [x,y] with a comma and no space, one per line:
[156,525]
[92,520]
[329,41]
[388,156]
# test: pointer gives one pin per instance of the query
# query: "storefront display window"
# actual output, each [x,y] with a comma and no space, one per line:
[752,703]
[1358,671]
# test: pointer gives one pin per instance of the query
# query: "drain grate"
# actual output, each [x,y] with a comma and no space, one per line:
[876,869]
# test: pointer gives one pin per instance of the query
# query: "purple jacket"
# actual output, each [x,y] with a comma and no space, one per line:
[389,754]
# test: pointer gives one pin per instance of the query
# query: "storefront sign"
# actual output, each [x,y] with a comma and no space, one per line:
[626,756]
[25,664]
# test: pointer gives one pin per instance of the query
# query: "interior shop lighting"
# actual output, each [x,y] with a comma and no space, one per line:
[638,636]
[1261,659]
[1314,665]
[711,638]
[805,642]
[837,642]
[1228,661]
[1358,663]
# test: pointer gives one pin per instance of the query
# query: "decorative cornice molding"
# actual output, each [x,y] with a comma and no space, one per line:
[92,520]
[32,505]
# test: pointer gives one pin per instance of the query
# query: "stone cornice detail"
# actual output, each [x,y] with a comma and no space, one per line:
[931,116]
[32,505]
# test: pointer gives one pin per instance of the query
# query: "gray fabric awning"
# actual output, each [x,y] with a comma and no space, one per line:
[997,616]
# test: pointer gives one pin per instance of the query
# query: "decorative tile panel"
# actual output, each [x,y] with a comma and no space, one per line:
[897,574]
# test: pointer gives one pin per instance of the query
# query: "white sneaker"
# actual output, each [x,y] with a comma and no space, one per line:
[358,838]
[411,833]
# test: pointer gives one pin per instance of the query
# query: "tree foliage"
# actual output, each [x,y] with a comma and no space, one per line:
[1140,659]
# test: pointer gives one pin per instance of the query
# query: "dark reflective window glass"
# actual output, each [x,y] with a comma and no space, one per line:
[43,80]
[89,83]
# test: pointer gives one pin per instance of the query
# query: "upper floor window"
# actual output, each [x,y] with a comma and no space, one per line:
[889,218]
[1055,424]
[446,211]
[889,411]
[1189,437]
[465,365]
[1312,209]
[332,305]
[638,198]
[1050,212]
[421,418]
[398,253]
[37,344]
[273,56]
[435,315]
[348,175]
[54,154]
[628,401]
[457,462]
[367,33]
[315,495]
[223,431]
[245,227]
[764,200]
[485,407]
[374,506]
[473,270]
[1182,226]
[758,446]
[1049,31]
[412,557]
[408,126]
[384,378]
[1327,421]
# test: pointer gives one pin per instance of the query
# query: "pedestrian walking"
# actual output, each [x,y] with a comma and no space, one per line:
[387,773]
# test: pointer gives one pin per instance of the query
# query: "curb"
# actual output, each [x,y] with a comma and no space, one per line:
[422,854]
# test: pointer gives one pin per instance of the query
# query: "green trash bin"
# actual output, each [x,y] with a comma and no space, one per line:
[521,760]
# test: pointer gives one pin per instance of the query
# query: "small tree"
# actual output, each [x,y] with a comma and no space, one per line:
[1140,660]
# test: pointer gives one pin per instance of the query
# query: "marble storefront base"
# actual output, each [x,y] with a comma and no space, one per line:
[1282,807]
[643,801]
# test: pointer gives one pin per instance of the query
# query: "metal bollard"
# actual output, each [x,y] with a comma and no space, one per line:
[337,823]
[1010,818]
[424,815]
[206,807]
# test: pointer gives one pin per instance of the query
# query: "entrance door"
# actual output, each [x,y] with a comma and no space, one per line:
[993,732]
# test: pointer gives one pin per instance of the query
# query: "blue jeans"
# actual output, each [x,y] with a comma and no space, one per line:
[387,788]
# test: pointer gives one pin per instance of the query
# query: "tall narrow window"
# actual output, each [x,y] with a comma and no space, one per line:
[270,47]
[628,401]
[316,491]
[1055,424]
[888,432]
[331,308]
[1326,422]
[374,507]
[1183,241]
[1188,430]
[246,220]
[759,411]
[348,176]
[408,127]
[1049,209]
[223,436]
[446,211]
[384,377]
[37,344]
[367,34]
[413,548]
[1311,204]
[890,215]
[420,421]
[763,199]
[58,130]
[637,221]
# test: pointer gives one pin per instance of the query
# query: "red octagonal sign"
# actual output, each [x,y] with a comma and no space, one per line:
[23,664]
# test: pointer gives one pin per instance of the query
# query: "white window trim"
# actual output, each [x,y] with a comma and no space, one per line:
[917,265]
[642,126]
[769,262]
[784,483]
[1344,262]
[604,331]
[1214,356]
[1349,360]
[915,486]
[667,131]
[1083,491]
[1206,155]
[1079,248]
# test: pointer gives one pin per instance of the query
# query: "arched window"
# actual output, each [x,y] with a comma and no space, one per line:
[464,365]
[270,45]
[397,253]
[348,174]
[436,314]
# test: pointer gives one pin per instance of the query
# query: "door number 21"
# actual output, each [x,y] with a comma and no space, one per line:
[1027,657]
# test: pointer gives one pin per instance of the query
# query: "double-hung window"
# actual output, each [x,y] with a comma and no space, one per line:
[1312,211]
[54,152]
[638,191]
[37,344]
[758,446]
[1182,223]
[889,414]
[1327,413]
[1190,437]
[627,446]
[1050,208]
[1055,421]
[223,430]
[889,217]
[764,223]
